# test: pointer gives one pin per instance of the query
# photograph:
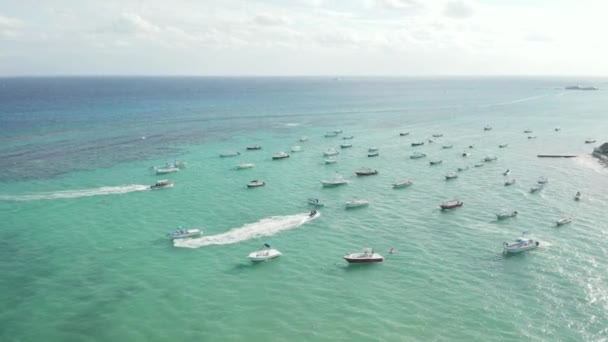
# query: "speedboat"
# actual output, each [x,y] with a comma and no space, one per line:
[368,256]
[253,147]
[331,134]
[418,143]
[366,172]
[506,214]
[451,175]
[373,154]
[451,204]
[531,136]
[417,155]
[563,221]
[402,183]
[528,131]
[403,134]
[542,180]
[280,155]
[348,137]
[255,184]
[489,158]
[435,162]
[578,196]
[346,145]
[230,154]
[315,202]
[503,145]
[330,160]
[162,184]
[487,128]
[462,168]
[181,233]
[506,173]
[510,182]
[536,188]
[520,245]
[331,152]
[437,135]
[372,149]
[447,146]
[338,180]
[356,203]
[478,165]
[590,141]
[466,154]
[245,166]
[264,254]
[296,149]
[304,138]
[165,170]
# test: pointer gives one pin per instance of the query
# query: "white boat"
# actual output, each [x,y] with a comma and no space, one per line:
[531,136]
[451,175]
[331,134]
[337,180]
[466,154]
[330,160]
[356,203]
[366,172]
[280,155]
[536,188]
[435,162]
[165,170]
[255,184]
[181,233]
[437,135]
[542,180]
[245,166]
[451,204]
[372,149]
[368,256]
[296,149]
[418,143]
[348,137]
[563,221]
[373,154]
[304,138]
[162,184]
[264,254]
[447,146]
[506,173]
[315,202]
[520,245]
[503,145]
[338,131]
[506,214]
[487,128]
[402,183]
[331,152]
[230,154]
[489,158]
[346,145]
[510,182]
[578,196]
[179,164]
[417,155]
[253,147]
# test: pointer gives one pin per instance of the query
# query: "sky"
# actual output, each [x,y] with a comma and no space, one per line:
[303,37]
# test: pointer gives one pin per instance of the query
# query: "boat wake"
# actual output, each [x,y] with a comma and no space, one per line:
[265,227]
[525,99]
[105,190]
[589,162]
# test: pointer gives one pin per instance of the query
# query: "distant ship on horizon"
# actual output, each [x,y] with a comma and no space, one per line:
[578,87]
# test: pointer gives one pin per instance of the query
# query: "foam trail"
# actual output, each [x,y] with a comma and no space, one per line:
[590,162]
[525,99]
[265,227]
[106,190]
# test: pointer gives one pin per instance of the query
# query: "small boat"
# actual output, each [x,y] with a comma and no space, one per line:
[466,154]
[403,183]
[564,221]
[528,131]
[315,202]
[462,168]
[478,165]
[331,152]
[253,147]
[368,256]
[531,136]
[471,146]
[542,180]
[348,137]
[403,134]
[165,170]
[162,184]
[179,164]
[330,160]
[431,141]
[181,233]
[503,145]
[230,154]
[280,155]
[264,254]
[418,143]
[304,138]
[338,180]
[435,162]
[590,141]
[451,204]
[245,166]
[437,135]
[578,196]
[489,158]
[447,146]
[510,182]
[346,145]
[520,245]
[331,134]
[296,149]
[536,188]
[506,173]
[487,128]
[557,129]
[366,172]
[356,203]
[255,184]
[373,154]
[506,214]
[338,131]
[451,175]
[417,155]
[372,149]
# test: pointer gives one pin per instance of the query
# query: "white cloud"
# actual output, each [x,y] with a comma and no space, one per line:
[10,28]
[457,9]
[266,19]
[398,4]
[133,23]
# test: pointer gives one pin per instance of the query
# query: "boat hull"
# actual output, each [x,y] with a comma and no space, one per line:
[264,255]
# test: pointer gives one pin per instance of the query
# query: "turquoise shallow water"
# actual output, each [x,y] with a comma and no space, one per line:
[83,253]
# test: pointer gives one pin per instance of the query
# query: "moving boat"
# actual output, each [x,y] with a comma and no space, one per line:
[253,147]
[520,245]
[346,145]
[435,162]
[451,204]
[542,180]
[280,155]
[366,172]
[506,214]
[372,149]
[466,154]
[255,184]
[506,173]
[245,166]
[296,149]
[162,184]
[578,196]
[330,160]
[510,182]
[337,180]
[264,254]
[447,146]
[368,256]
[487,128]
[437,135]
[563,221]
[348,137]
[165,170]
[417,155]
[331,152]
[403,134]
[489,158]
[536,188]
[451,175]
[402,183]
[503,145]
[230,154]
[315,202]
[356,203]
[304,138]
[590,141]
[528,131]
[418,143]
[531,136]
[331,134]
[373,154]
[181,233]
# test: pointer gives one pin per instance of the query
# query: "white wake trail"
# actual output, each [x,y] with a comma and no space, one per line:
[106,190]
[265,227]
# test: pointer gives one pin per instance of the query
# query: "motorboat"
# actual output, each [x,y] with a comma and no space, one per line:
[451,204]
[264,254]
[451,175]
[590,141]
[578,196]
[331,152]
[447,146]
[418,143]
[503,145]
[330,160]
[506,173]
[304,138]
[471,146]
[372,149]
[521,244]
[366,172]
[373,154]
[162,184]
[462,168]
[348,137]
[346,145]
[478,165]
[435,162]
[331,134]
[280,155]
[542,180]
[336,181]
[245,166]
[230,154]
[417,155]
[315,202]
[487,128]
[338,131]
[528,131]
[181,233]
[402,183]
[466,154]
[536,188]
[564,221]
[531,136]
[506,214]
[296,149]
[356,203]
[557,129]
[253,147]
[368,256]
[403,134]
[255,184]
[437,135]
[510,182]
[166,169]
[489,158]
